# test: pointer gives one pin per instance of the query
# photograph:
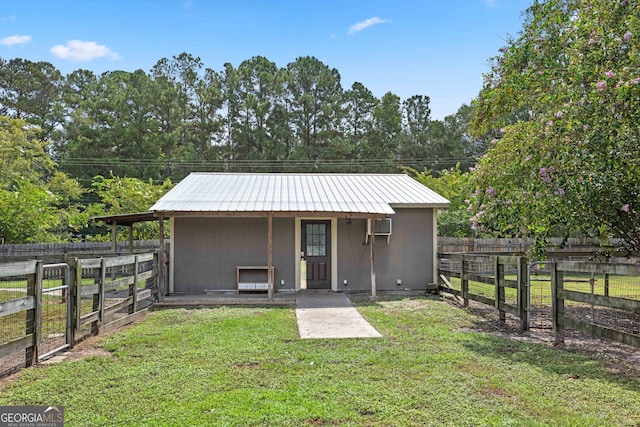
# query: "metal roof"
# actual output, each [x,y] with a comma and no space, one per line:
[337,193]
[127,219]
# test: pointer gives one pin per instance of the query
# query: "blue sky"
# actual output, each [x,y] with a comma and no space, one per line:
[409,47]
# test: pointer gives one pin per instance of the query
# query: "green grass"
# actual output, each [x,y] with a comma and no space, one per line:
[247,367]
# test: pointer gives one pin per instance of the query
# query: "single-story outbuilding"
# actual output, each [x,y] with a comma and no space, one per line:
[290,232]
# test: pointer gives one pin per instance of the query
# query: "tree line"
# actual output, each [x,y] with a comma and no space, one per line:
[83,145]
[554,132]
[182,116]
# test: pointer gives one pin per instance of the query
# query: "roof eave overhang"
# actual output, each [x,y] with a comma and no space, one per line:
[260,214]
[421,205]
[126,219]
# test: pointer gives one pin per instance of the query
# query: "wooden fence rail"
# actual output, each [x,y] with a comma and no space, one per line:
[574,302]
[558,249]
[60,252]
[560,276]
[487,270]
[105,293]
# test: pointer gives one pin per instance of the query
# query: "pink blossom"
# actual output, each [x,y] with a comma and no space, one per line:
[584,152]
[627,36]
[609,74]
[559,192]
[591,41]
[559,114]
[550,123]
[602,85]
[625,207]
[635,81]
[585,128]
[527,158]
[471,169]
[493,141]
[547,179]
[543,172]
[551,169]
[491,191]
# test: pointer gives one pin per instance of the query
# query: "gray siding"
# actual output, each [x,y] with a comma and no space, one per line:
[409,255]
[207,251]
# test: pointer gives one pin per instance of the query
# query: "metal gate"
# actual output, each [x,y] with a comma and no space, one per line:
[56,303]
[539,304]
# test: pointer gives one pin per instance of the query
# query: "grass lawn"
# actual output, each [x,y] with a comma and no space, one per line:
[247,367]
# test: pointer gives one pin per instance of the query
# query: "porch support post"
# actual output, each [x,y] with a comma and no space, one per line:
[131,238]
[114,237]
[372,240]
[270,253]
[161,258]
[436,259]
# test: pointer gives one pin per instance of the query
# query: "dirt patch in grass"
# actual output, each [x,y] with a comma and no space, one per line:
[83,349]
[620,359]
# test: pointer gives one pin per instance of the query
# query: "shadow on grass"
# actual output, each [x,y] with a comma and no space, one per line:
[555,360]
[365,300]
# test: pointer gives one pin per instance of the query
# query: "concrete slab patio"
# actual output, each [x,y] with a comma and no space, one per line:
[330,315]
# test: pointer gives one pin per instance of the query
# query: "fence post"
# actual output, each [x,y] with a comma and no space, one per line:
[96,305]
[133,289]
[606,284]
[34,316]
[464,282]
[499,293]
[76,291]
[523,293]
[557,309]
[38,330]
[65,291]
[156,272]
[103,279]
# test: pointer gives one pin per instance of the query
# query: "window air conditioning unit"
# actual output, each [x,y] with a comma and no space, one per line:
[382,227]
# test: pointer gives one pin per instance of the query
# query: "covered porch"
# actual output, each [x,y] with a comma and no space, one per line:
[273,296]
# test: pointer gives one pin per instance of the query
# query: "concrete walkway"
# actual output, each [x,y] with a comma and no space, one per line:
[330,315]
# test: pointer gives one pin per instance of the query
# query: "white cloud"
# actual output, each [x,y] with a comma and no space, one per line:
[79,50]
[365,24]
[14,40]
[8,18]
[490,3]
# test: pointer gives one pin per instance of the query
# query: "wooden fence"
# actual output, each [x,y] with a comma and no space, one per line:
[70,300]
[578,304]
[574,248]
[598,299]
[59,252]
[499,281]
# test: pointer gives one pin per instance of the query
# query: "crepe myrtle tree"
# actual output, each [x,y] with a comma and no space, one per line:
[571,165]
